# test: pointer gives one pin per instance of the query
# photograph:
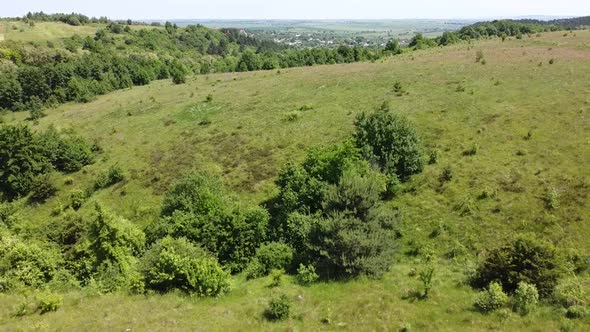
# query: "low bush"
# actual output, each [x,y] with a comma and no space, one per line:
[178,264]
[255,269]
[524,260]
[112,176]
[577,312]
[77,198]
[491,299]
[274,256]
[43,189]
[306,275]
[525,298]
[48,302]
[279,308]
[26,263]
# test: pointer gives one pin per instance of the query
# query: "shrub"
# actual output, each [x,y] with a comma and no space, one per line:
[67,154]
[577,312]
[552,199]
[525,298]
[306,274]
[178,264]
[355,193]
[43,189]
[491,299]
[389,141]
[114,243]
[524,260]
[343,246]
[112,176]
[478,56]
[21,161]
[433,157]
[426,276]
[278,308]
[47,302]
[274,256]
[25,263]
[571,292]
[276,278]
[255,269]
[77,199]
[178,76]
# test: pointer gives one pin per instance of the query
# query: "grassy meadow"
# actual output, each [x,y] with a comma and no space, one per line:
[511,129]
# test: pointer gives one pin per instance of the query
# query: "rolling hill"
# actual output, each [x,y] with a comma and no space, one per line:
[512,128]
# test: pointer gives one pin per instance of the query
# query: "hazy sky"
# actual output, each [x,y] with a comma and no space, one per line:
[303,9]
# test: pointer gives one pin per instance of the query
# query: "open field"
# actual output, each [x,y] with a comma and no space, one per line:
[525,112]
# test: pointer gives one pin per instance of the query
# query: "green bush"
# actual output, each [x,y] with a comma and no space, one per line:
[42,189]
[22,159]
[274,256]
[48,302]
[525,298]
[67,153]
[279,308]
[114,240]
[178,264]
[306,275]
[355,193]
[577,312]
[343,246]
[26,263]
[113,175]
[389,140]
[255,269]
[491,299]
[77,198]
[524,260]
[198,208]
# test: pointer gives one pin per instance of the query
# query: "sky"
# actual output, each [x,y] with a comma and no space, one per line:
[300,9]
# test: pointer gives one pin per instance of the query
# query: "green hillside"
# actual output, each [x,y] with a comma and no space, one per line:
[508,124]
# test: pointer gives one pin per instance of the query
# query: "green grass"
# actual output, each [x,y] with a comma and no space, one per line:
[245,135]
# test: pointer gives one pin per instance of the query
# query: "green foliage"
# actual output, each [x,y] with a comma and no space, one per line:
[274,256]
[526,297]
[388,140]
[26,263]
[493,298]
[77,198]
[48,302]
[426,277]
[342,246]
[419,42]
[552,199]
[255,269]
[178,264]
[67,153]
[524,260]
[478,55]
[393,47]
[112,176]
[577,312]
[43,189]
[197,208]
[279,308]
[306,275]
[21,161]
[114,243]
[356,194]
[276,278]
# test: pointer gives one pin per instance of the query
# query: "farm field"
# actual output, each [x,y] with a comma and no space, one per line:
[515,127]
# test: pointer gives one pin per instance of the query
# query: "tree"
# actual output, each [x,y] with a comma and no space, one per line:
[393,46]
[10,91]
[524,260]
[21,161]
[389,141]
